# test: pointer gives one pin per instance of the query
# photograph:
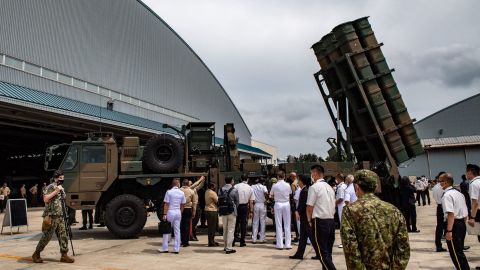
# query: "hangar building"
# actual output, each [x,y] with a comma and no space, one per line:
[68,67]
[451,139]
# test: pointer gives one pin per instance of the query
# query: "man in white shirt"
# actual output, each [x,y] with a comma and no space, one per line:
[473,175]
[437,191]
[420,187]
[260,193]
[245,204]
[340,197]
[320,213]
[455,211]
[174,203]
[281,194]
[350,195]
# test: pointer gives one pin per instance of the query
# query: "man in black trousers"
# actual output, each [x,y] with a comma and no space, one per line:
[304,183]
[456,213]
[437,192]
[320,213]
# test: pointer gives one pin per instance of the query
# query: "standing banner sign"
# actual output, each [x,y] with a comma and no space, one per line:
[15,214]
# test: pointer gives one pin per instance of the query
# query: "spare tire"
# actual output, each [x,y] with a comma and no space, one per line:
[163,153]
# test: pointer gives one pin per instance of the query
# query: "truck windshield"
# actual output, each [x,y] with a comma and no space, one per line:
[70,159]
[54,156]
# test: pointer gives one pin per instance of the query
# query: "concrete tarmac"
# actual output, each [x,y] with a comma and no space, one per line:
[97,249]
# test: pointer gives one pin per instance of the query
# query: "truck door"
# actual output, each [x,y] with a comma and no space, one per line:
[70,168]
[93,167]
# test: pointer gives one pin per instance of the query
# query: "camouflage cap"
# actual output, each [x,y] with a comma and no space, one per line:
[366,178]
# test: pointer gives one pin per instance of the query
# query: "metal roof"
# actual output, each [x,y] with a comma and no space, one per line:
[246,148]
[34,97]
[451,142]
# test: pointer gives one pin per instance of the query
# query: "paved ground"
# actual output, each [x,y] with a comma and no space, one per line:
[96,249]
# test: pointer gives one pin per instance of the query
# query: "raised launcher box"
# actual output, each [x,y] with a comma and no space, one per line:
[363,95]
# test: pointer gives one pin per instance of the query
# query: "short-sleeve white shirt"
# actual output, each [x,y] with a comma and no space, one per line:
[322,197]
[437,191]
[350,195]
[259,192]
[474,190]
[174,197]
[340,193]
[245,193]
[281,191]
[453,201]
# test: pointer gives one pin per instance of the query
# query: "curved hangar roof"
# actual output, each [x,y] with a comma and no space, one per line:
[94,51]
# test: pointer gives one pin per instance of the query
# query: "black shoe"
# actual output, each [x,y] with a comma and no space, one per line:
[161,251]
[441,250]
[90,227]
[194,239]
[230,251]
[295,257]
[415,231]
[243,245]
[466,247]
[101,225]
[83,228]
[185,245]
[315,258]
[175,252]
[478,267]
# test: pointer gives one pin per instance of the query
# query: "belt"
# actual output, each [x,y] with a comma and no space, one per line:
[460,220]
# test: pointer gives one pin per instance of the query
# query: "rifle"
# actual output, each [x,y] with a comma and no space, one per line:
[65,219]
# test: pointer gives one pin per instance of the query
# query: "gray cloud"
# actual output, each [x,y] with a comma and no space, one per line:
[259,51]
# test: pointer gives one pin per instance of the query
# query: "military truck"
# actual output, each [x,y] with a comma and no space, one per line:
[124,180]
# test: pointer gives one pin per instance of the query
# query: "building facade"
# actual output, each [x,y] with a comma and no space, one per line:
[451,139]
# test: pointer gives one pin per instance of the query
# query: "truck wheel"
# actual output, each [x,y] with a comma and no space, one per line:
[163,153]
[125,216]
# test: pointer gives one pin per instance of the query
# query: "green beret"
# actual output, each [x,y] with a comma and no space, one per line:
[366,178]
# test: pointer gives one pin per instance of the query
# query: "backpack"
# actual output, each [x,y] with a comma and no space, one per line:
[225,204]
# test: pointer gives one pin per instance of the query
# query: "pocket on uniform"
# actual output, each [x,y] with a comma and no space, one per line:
[47,223]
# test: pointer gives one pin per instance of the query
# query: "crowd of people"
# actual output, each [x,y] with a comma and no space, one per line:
[374,233]
[306,203]
[33,195]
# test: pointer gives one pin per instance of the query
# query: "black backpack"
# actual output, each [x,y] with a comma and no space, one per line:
[226,205]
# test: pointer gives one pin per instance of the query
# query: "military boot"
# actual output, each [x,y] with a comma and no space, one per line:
[36,257]
[66,259]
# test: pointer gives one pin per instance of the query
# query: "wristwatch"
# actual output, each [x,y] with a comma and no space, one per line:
[449,231]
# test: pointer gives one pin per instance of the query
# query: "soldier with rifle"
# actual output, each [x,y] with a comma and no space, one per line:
[54,219]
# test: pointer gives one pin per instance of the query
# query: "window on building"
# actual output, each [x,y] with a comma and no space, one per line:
[104,92]
[12,62]
[93,154]
[32,69]
[92,87]
[64,79]
[49,74]
[114,95]
[78,83]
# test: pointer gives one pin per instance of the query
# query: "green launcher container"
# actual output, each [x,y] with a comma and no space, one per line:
[388,86]
[348,43]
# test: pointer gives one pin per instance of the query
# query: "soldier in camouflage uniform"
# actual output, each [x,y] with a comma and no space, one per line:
[52,197]
[373,232]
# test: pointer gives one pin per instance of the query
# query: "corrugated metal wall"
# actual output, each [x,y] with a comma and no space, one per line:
[119,45]
[457,120]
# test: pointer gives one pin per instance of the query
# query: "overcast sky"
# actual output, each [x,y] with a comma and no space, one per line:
[260,52]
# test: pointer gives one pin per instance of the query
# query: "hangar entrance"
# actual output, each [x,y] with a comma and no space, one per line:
[25,134]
